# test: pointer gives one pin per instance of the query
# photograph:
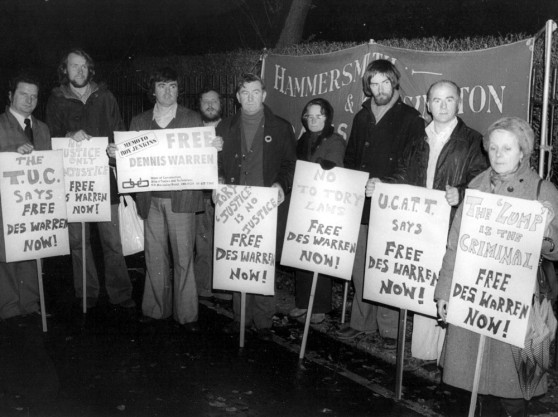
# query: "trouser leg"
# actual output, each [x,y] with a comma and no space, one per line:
[322,296]
[182,238]
[203,265]
[19,288]
[157,294]
[76,244]
[363,313]
[117,280]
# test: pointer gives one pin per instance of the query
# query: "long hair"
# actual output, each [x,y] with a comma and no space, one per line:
[326,109]
[380,66]
[63,66]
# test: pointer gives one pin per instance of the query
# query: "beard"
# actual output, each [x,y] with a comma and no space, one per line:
[382,100]
[76,84]
[210,117]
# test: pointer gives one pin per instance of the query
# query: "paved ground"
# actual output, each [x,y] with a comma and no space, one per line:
[109,364]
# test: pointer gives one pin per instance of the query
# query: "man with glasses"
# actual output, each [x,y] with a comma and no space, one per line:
[380,132]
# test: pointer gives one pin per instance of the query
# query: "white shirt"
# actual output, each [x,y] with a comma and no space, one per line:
[21,119]
[436,141]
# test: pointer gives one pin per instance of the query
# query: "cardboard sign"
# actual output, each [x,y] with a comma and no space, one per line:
[245,233]
[33,205]
[407,237]
[324,219]
[165,160]
[496,265]
[86,177]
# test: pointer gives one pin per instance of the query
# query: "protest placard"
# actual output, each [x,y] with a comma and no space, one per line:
[33,205]
[496,265]
[86,177]
[324,219]
[406,244]
[165,160]
[245,233]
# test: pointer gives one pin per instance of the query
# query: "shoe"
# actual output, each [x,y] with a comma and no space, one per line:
[295,313]
[265,334]
[389,343]
[223,296]
[317,318]
[146,320]
[314,318]
[231,328]
[192,327]
[90,302]
[127,304]
[348,333]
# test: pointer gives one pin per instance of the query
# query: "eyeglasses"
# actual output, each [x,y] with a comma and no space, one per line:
[312,117]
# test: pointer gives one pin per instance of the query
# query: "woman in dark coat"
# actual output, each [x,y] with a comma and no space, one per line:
[509,143]
[322,145]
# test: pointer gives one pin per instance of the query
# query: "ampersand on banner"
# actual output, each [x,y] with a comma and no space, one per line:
[349,104]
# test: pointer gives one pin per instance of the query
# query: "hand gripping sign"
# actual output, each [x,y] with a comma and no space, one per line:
[86,177]
[496,265]
[33,205]
[406,244]
[245,233]
[165,160]
[324,219]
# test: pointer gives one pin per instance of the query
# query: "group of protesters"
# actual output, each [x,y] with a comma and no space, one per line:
[389,140]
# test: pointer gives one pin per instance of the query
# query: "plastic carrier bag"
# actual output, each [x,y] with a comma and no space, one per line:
[131,226]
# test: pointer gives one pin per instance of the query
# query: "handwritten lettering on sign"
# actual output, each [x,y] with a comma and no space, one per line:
[324,219]
[245,233]
[496,265]
[34,222]
[86,177]
[406,244]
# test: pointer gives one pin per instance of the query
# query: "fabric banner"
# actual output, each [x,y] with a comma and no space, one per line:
[245,233]
[86,177]
[407,237]
[496,265]
[33,205]
[165,160]
[494,82]
[324,219]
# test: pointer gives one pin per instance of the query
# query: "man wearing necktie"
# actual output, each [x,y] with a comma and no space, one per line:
[19,291]
[20,321]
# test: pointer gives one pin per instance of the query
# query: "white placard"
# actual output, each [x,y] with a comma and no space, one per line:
[496,265]
[86,177]
[245,233]
[165,160]
[33,205]
[324,219]
[407,237]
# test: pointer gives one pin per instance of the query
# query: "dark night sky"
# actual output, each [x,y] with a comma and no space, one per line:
[36,32]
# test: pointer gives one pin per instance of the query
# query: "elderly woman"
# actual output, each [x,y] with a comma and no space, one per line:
[509,143]
[318,144]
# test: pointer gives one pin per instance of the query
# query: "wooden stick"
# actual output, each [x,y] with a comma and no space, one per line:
[41,294]
[345,293]
[84,263]
[476,380]
[400,359]
[308,316]
[242,317]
